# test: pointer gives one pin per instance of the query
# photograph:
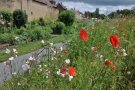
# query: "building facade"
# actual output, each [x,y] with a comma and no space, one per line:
[34,8]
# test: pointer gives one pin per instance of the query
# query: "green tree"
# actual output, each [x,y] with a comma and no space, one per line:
[67,17]
[19,18]
[97,12]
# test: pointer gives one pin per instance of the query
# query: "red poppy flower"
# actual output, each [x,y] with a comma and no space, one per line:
[83,35]
[108,62]
[114,39]
[65,51]
[72,71]
[113,67]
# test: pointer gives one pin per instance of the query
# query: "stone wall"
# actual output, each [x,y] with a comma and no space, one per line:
[16,64]
[33,9]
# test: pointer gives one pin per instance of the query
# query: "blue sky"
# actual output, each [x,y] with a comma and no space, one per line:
[105,6]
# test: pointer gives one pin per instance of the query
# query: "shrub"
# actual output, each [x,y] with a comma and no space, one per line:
[17,31]
[59,28]
[6,16]
[50,23]
[41,22]
[20,18]
[46,32]
[69,30]
[37,33]
[67,17]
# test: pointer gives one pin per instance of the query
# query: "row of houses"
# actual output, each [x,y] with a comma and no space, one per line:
[34,8]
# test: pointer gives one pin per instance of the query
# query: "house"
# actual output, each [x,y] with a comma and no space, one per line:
[87,15]
[79,15]
[34,8]
[60,7]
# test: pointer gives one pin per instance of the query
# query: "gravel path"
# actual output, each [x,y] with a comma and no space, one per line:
[15,66]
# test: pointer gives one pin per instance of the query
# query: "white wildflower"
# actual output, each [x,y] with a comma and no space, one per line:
[14,50]
[67,61]
[123,50]
[45,65]
[18,84]
[39,66]
[128,72]
[16,56]
[25,67]
[124,54]
[101,56]
[61,48]
[46,76]
[70,78]
[2,22]
[92,48]
[54,52]
[63,75]
[51,44]
[58,72]
[11,58]
[31,58]
[16,38]
[41,70]
[14,73]
[52,58]
[42,41]
[27,62]
[7,51]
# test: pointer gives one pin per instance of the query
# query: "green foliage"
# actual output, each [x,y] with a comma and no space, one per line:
[6,16]
[59,28]
[67,17]
[7,38]
[19,18]
[89,65]
[38,33]
[122,13]
[41,22]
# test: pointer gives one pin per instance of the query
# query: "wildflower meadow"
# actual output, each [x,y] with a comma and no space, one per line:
[99,55]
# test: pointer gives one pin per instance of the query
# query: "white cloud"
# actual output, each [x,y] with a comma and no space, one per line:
[81,6]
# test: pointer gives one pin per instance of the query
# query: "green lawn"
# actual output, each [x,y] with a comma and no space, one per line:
[31,46]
